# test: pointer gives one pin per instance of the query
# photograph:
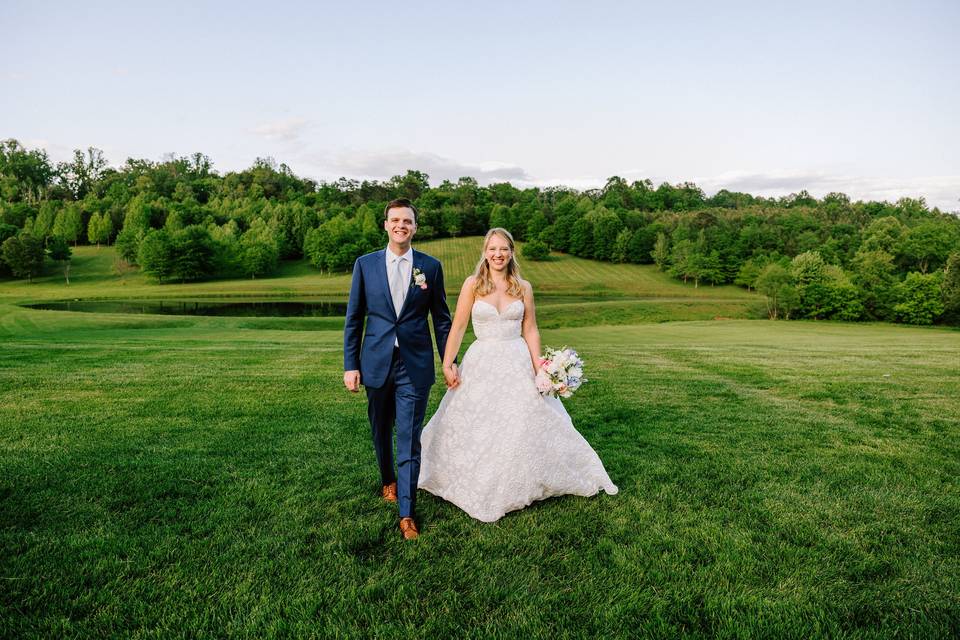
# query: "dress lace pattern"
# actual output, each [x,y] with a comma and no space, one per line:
[495,444]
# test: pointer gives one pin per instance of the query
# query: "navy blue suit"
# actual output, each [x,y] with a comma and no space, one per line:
[397,379]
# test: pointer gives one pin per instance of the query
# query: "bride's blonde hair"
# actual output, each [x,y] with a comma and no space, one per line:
[483,281]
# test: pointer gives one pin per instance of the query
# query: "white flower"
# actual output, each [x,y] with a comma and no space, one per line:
[561,372]
[419,279]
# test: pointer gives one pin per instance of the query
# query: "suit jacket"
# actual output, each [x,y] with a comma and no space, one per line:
[370,299]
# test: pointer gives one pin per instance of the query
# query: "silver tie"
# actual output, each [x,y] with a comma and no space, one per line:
[397,288]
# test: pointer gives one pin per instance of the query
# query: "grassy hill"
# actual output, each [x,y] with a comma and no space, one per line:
[569,290]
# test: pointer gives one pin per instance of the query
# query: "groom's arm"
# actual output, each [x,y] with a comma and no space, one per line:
[353,323]
[440,313]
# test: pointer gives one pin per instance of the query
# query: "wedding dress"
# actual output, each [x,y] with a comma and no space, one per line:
[495,444]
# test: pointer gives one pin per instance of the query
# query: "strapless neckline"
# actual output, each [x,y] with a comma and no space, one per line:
[495,308]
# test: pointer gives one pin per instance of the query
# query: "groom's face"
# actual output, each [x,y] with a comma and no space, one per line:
[401,225]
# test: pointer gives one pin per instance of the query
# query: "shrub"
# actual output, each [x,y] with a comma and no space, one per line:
[920,298]
[536,250]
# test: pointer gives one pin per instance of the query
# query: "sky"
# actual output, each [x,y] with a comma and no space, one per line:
[764,97]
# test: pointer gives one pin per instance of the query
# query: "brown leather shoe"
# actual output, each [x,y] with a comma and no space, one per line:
[409,529]
[390,492]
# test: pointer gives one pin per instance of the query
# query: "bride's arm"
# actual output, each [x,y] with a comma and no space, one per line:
[529,329]
[457,329]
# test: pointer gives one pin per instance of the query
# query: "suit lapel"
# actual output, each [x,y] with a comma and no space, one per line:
[382,270]
[411,290]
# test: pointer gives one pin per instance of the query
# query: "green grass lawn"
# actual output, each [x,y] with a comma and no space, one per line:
[179,476]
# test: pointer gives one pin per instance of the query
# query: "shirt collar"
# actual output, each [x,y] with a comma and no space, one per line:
[392,257]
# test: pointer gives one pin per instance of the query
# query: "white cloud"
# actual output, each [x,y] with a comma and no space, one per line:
[286,130]
[580,183]
[59,152]
[55,151]
[36,143]
[938,191]
[382,165]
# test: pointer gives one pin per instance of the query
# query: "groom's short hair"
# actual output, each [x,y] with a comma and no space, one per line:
[400,203]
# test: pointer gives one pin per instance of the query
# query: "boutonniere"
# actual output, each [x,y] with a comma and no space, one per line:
[419,279]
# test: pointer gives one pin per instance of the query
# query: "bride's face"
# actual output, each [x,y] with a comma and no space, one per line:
[498,253]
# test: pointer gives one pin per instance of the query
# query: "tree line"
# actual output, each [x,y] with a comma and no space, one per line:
[179,220]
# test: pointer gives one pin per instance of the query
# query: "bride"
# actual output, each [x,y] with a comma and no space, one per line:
[495,444]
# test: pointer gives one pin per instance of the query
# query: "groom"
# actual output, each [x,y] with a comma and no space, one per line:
[393,289]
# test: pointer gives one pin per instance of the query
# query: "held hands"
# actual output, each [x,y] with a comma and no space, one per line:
[451,375]
[351,380]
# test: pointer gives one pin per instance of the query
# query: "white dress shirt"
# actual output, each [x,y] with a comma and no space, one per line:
[403,281]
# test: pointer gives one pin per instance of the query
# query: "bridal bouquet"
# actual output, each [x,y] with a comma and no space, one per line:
[561,372]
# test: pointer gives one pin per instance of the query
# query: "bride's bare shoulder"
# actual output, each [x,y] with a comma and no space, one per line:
[467,288]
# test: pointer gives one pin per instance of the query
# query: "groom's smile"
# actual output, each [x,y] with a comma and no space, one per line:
[401,225]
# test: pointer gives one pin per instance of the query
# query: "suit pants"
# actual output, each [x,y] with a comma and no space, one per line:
[398,403]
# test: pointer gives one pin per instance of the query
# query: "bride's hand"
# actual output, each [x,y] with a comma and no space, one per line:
[451,375]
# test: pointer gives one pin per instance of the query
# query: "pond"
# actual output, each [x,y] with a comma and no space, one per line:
[237,308]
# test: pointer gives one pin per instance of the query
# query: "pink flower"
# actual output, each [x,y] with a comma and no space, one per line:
[544,383]
[424,286]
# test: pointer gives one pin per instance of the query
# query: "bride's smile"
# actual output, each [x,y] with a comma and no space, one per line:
[498,253]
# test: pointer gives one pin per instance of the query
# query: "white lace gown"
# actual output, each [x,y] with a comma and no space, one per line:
[495,444]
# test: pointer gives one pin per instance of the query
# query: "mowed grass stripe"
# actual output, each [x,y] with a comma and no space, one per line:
[94,275]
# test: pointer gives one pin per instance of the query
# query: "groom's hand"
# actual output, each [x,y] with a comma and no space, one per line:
[351,380]
[452,376]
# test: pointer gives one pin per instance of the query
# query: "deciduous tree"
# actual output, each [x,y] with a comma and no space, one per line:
[59,249]
[24,255]
[920,298]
